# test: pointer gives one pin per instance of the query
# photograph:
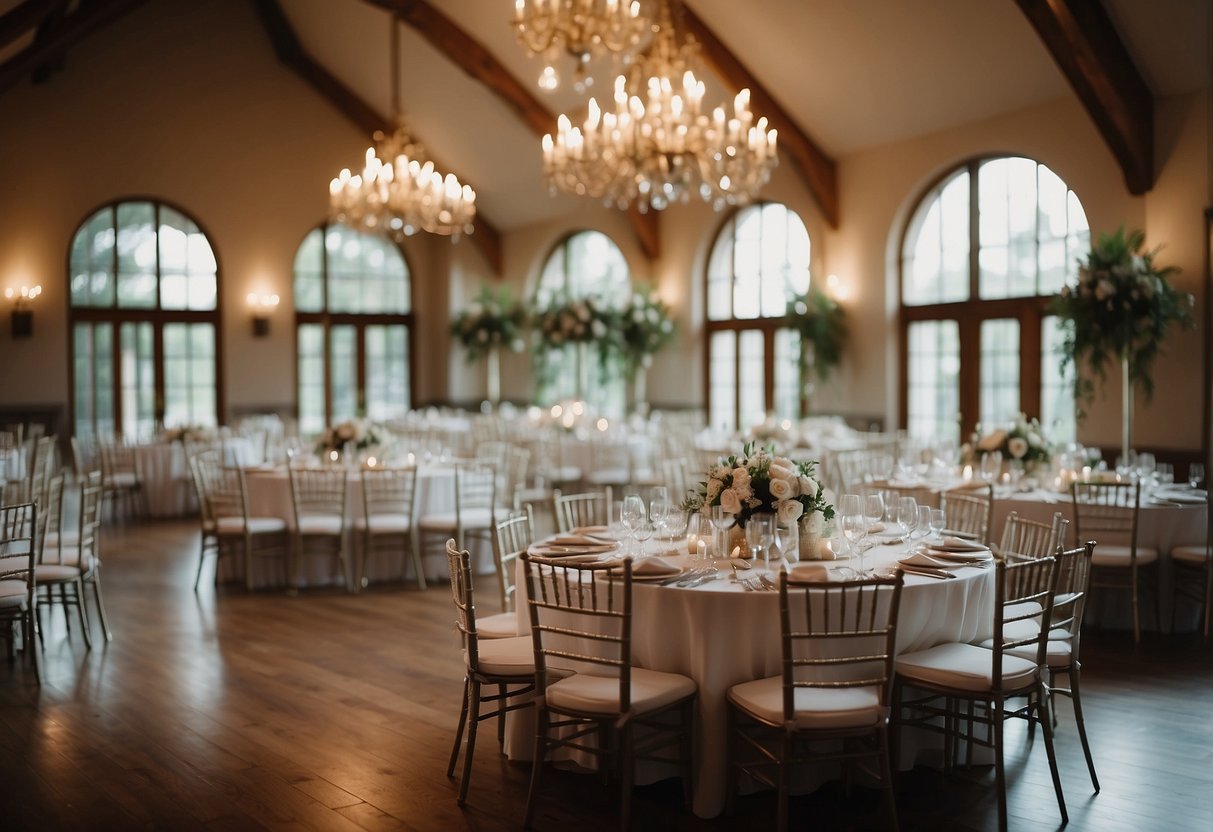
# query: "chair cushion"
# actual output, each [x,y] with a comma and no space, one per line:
[501,625]
[1060,653]
[13,594]
[651,690]
[1107,555]
[325,524]
[506,656]
[69,556]
[55,539]
[256,525]
[964,667]
[122,479]
[472,518]
[815,707]
[56,574]
[385,523]
[1190,554]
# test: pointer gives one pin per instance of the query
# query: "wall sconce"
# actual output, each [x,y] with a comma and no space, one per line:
[22,316]
[262,306]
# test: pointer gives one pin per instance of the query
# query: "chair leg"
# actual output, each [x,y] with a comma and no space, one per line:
[886,776]
[627,763]
[541,732]
[105,623]
[687,718]
[416,550]
[731,762]
[501,703]
[1047,730]
[784,774]
[248,563]
[201,560]
[473,722]
[463,718]
[78,593]
[1136,610]
[1000,772]
[1076,697]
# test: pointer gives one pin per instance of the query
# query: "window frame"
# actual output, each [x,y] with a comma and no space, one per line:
[1029,311]
[359,321]
[767,325]
[158,317]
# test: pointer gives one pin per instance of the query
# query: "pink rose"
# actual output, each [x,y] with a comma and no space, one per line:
[729,501]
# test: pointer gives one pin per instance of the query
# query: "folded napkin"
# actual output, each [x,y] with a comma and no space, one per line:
[810,572]
[1187,496]
[876,528]
[956,558]
[955,543]
[925,559]
[598,531]
[654,567]
[584,540]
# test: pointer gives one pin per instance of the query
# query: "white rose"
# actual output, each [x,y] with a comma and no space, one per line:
[789,511]
[729,501]
[993,441]
[808,487]
[741,478]
[781,489]
[713,489]
[781,471]
[1018,446]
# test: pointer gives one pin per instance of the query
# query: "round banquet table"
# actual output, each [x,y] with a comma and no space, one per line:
[269,495]
[720,635]
[164,472]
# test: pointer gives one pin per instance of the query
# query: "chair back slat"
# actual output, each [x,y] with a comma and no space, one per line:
[389,491]
[1024,591]
[590,508]
[968,510]
[1110,508]
[18,546]
[511,538]
[318,492]
[1030,539]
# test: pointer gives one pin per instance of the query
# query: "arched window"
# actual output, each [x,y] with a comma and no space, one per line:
[584,265]
[983,253]
[354,327]
[760,259]
[144,300]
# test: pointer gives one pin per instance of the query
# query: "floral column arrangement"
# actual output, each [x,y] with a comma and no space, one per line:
[645,326]
[579,323]
[1122,308]
[492,321]
[820,322]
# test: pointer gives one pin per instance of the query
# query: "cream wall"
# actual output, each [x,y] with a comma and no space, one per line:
[245,148]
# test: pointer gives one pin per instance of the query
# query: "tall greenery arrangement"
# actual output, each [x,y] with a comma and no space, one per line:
[643,328]
[493,319]
[1123,306]
[821,324]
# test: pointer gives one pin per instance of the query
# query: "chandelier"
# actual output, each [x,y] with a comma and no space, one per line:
[657,146]
[398,191]
[585,29]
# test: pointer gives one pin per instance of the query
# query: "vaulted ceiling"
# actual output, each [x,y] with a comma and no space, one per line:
[847,75]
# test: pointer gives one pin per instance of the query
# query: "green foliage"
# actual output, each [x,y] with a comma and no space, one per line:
[644,327]
[493,319]
[821,324]
[1123,306]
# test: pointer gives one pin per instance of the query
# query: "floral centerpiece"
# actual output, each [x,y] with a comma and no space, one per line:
[491,321]
[760,481]
[645,326]
[587,322]
[1121,309]
[188,433]
[359,434]
[1023,441]
[820,322]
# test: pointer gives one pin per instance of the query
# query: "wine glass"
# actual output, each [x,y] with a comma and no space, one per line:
[721,521]
[758,536]
[659,509]
[786,540]
[873,509]
[991,466]
[631,515]
[1196,474]
[923,526]
[644,530]
[854,523]
[907,516]
[939,521]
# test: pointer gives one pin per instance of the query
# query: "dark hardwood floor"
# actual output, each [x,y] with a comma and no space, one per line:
[225,710]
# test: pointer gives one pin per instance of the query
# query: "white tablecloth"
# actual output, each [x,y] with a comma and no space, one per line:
[269,492]
[167,485]
[719,635]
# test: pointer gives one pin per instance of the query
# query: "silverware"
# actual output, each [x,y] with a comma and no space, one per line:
[932,573]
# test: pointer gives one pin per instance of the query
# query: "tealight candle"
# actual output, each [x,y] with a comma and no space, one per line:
[693,543]
[968,473]
[701,550]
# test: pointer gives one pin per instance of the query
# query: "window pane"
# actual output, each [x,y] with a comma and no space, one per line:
[92,261]
[309,273]
[935,261]
[189,374]
[387,373]
[137,262]
[186,256]
[722,380]
[343,364]
[787,374]
[999,371]
[310,350]
[138,380]
[933,381]
[1057,411]
[752,386]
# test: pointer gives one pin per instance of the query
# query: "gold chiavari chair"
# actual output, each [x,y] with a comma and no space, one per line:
[238,530]
[18,575]
[854,468]
[511,538]
[120,480]
[209,535]
[505,663]
[1107,512]
[968,511]
[1192,576]
[591,508]
[581,619]
[1026,539]
[475,509]
[386,525]
[831,699]
[63,568]
[318,501]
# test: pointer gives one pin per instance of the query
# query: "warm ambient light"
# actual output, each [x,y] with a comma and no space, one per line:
[262,306]
[22,316]
[837,289]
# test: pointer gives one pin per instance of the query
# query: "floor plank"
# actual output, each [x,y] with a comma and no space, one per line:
[225,710]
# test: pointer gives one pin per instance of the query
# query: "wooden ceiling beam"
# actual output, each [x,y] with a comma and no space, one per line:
[291,53]
[819,170]
[480,64]
[1086,46]
[73,27]
[23,19]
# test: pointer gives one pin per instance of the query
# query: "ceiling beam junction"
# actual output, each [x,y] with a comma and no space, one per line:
[1086,46]
[291,53]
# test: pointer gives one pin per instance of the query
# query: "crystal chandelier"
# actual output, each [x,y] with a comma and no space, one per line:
[657,146]
[585,29]
[398,191]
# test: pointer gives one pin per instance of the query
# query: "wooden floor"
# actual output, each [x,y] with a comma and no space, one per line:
[328,711]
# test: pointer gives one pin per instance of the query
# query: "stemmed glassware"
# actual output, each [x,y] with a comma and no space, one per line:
[991,466]
[939,521]
[721,521]
[1196,474]
[907,516]
[659,509]
[632,516]
[854,523]
[758,531]
[923,525]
